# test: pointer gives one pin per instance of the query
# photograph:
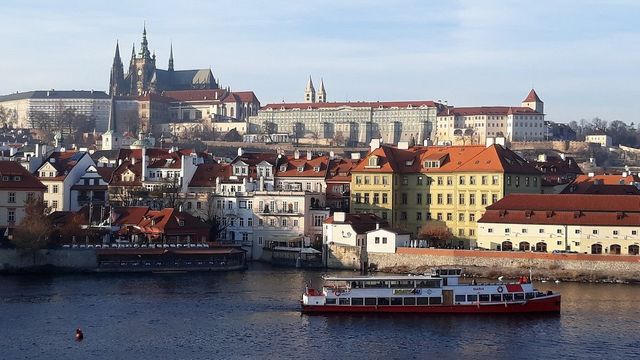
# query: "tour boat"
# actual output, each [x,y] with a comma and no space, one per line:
[440,292]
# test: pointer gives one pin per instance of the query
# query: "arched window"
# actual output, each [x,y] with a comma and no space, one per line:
[614,249]
[524,246]
[596,249]
[634,249]
[541,247]
[507,246]
[373,161]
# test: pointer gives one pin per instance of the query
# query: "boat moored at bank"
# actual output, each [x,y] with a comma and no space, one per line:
[440,292]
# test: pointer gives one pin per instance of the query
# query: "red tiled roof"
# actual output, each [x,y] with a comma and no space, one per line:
[532,97]
[340,170]
[206,174]
[246,96]
[486,110]
[361,223]
[623,210]
[10,169]
[63,162]
[357,104]
[196,95]
[129,215]
[106,172]
[116,179]
[292,164]
[585,184]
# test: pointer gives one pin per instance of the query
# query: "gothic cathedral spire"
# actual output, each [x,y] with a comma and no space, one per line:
[144,51]
[322,94]
[117,74]
[170,68]
[309,92]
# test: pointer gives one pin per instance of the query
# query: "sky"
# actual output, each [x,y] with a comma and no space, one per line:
[581,56]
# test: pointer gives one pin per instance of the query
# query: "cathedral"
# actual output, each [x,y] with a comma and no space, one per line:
[143,77]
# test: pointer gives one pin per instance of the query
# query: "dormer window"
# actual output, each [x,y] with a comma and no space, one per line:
[373,161]
[300,168]
[316,168]
[181,222]
[432,164]
[283,167]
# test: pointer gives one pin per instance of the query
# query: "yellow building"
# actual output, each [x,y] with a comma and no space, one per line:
[450,185]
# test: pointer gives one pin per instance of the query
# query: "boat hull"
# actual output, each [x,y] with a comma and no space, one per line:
[549,304]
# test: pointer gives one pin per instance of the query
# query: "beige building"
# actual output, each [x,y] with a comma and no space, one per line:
[59,172]
[16,186]
[591,224]
[474,125]
[603,139]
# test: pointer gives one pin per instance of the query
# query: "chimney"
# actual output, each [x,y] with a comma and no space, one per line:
[261,183]
[542,157]
[332,155]
[240,151]
[490,141]
[144,163]
[355,156]
[427,142]
[500,140]
[374,144]
[339,216]
[403,145]
[296,154]
[563,156]
[592,174]
[377,225]
[309,155]
[38,150]
[624,174]
[133,161]
[592,160]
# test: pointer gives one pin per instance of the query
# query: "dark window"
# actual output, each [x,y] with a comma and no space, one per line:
[428,284]
[435,300]
[484,297]
[331,301]
[529,295]
[343,301]
[357,301]
[472,297]
[396,301]
[423,301]
[507,297]
[518,296]
[409,301]
[496,297]
[460,298]
[369,301]
[383,301]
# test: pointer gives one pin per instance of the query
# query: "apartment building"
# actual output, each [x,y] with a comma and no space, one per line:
[16,186]
[59,172]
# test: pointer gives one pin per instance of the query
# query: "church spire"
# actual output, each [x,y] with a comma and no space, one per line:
[171,58]
[144,51]
[133,53]
[322,94]
[309,92]
[117,73]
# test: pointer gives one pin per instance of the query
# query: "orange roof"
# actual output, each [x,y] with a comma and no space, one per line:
[18,178]
[292,166]
[532,97]
[366,104]
[340,170]
[584,184]
[206,174]
[486,110]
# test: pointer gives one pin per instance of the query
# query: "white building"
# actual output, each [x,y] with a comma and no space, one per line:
[603,139]
[59,172]
[592,224]
[387,240]
[93,104]
[349,229]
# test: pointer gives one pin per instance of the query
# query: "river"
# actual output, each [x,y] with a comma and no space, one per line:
[255,314]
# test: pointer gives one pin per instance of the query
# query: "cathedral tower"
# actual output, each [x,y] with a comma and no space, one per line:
[322,94]
[170,68]
[309,92]
[532,101]
[116,83]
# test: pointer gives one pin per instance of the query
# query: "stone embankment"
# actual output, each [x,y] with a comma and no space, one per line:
[59,260]
[491,264]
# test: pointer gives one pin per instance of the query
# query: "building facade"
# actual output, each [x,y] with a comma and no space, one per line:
[591,224]
[59,172]
[17,185]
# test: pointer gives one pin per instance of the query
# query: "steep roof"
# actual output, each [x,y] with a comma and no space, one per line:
[532,97]
[356,104]
[603,184]
[206,174]
[14,176]
[129,215]
[292,167]
[340,170]
[63,162]
[127,165]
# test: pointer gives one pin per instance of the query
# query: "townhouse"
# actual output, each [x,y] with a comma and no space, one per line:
[59,172]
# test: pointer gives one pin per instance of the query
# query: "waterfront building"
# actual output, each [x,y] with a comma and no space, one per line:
[49,108]
[144,77]
[592,224]
[339,183]
[92,188]
[474,125]
[383,240]
[16,186]
[452,185]
[342,123]
[59,172]
[350,229]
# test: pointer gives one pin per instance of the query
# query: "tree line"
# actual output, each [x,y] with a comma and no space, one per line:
[621,133]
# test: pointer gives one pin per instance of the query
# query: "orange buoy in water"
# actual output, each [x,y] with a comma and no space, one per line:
[79,335]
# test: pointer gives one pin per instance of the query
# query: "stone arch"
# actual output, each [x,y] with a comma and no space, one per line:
[507,246]
[596,249]
[615,249]
[524,246]
[541,246]
[634,249]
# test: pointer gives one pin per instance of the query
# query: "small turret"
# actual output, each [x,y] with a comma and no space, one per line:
[533,102]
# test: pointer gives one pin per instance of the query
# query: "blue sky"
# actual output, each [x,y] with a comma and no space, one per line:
[583,57]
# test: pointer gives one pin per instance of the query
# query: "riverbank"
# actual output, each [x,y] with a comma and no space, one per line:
[491,264]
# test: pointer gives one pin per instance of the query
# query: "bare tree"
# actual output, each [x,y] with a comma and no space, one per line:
[435,232]
[8,117]
[35,228]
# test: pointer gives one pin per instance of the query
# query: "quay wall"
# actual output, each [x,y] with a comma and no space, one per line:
[575,267]
[21,260]
[566,146]
[344,257]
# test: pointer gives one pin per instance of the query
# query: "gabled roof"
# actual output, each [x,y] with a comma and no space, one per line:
[128,215]
[206,174]
[292,167]
[127,165]
[532,97]
[340,170]
[14,176]
[361,223]
[603,184]
[63,162]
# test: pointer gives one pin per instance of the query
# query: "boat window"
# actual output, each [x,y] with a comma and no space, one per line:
[460,298]
[383,301]
[396,301]
[507,297]
[369,301]
[423,301]
[331,301]
[473,297]
[496,297]
[435,300]
[356,284]
[518,296]
[529,295]
[431,283]
[375,284]
[484,297]
[357,301]
[409,301]
[402,284]
[343,301]
[458,271]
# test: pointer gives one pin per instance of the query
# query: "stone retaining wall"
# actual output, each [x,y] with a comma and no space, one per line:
[19,260]
[343,257]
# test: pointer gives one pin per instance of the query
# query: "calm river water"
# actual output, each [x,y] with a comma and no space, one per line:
[254,314]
